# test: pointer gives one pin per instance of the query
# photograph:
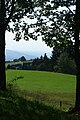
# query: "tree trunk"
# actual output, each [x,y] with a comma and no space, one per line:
[2,46]
[77,58]
[77,54]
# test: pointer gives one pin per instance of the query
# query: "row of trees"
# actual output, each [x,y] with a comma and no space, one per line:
[42,63]
[62,63]
[58,62]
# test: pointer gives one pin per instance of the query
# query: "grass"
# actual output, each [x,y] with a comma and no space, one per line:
[48,87]
[13,63]
[19,62]
[14,106]
[43,81]
[32,101]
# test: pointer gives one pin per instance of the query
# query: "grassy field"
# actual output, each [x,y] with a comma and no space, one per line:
[19,62]
[14,106]
[45,86]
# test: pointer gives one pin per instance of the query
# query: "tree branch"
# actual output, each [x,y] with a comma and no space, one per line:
[10,15]
[70,10]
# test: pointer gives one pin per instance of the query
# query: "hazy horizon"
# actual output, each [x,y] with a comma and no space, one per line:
[26,46]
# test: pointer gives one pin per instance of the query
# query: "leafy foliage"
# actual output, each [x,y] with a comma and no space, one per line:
[65,64]
[15,13]
[22,58]
[55,22]
[48,18]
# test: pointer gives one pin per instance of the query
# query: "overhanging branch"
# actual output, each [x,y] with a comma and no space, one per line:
[10,15]
[70,10]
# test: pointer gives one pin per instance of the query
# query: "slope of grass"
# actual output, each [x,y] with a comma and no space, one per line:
[48,87]
[16,107]
[43,81]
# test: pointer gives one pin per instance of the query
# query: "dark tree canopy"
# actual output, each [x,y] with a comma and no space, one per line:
[15,13]
[58,22]
[22,58]
[12,13]
[51,19]
[55,21]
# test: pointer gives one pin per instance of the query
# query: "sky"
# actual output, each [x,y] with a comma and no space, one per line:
[38,46]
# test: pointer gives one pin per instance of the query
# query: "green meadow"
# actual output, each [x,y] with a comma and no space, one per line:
[48,87]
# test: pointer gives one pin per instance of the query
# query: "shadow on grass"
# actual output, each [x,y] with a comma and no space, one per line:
[15,107]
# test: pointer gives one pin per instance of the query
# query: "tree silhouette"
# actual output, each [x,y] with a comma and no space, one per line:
[12,11]
[59,24]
